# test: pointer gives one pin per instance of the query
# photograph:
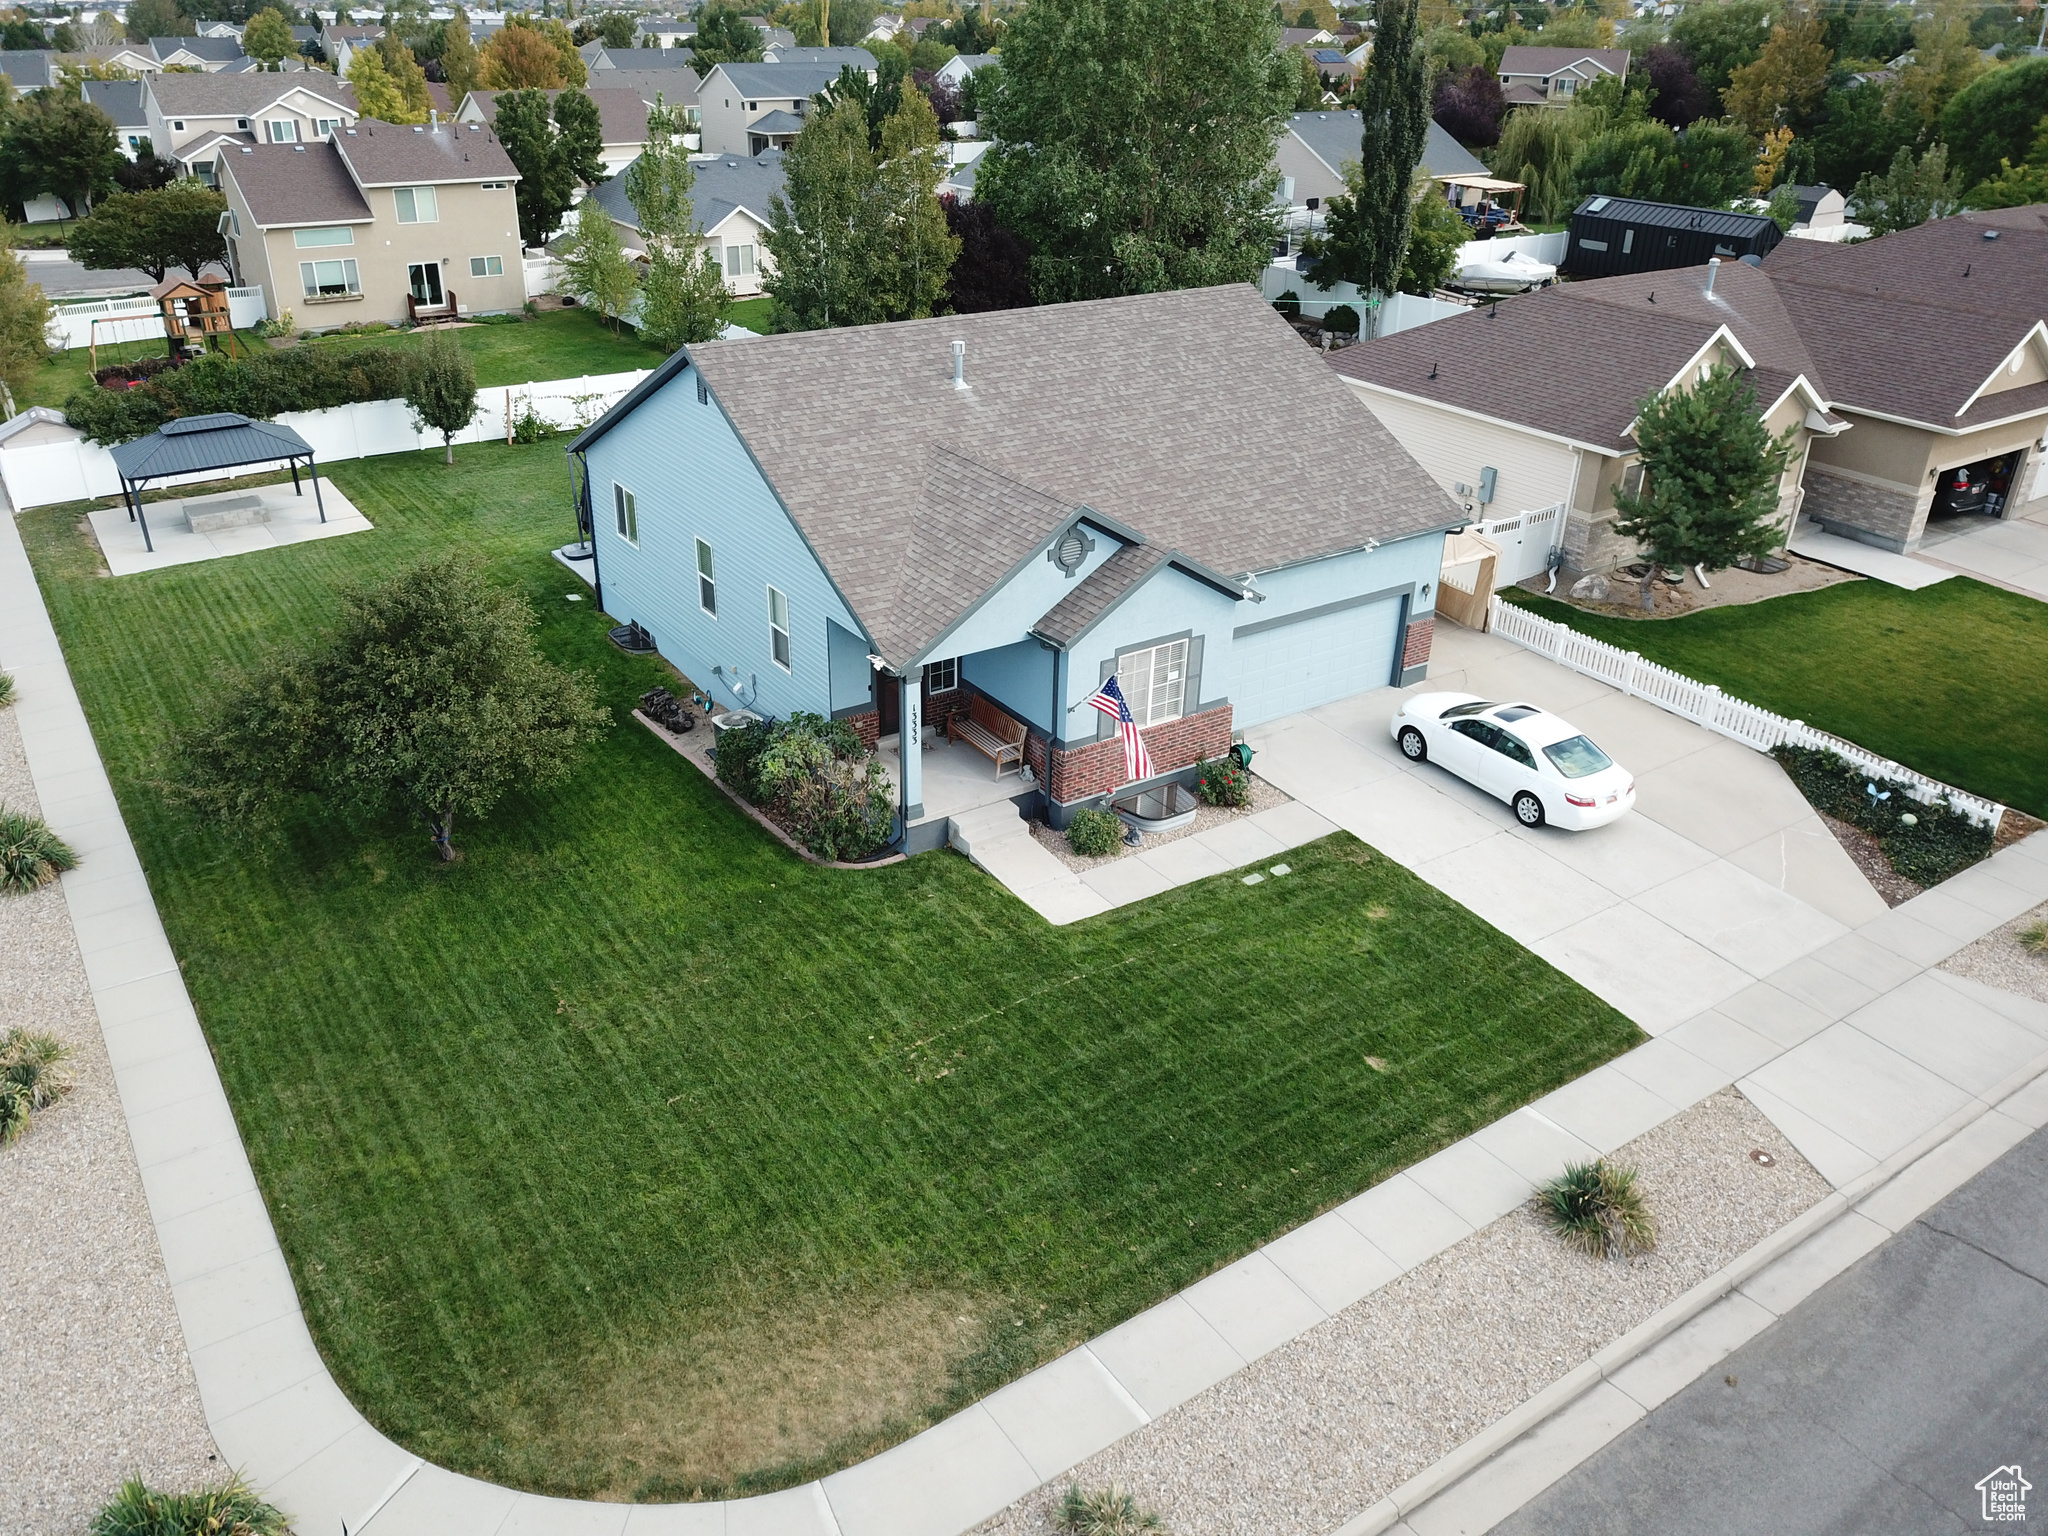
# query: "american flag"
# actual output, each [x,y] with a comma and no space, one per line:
[1137,761]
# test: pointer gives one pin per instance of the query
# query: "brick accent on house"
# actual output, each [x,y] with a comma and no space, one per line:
[1890,517]
[1416,652]
[869,724]
[1098,766]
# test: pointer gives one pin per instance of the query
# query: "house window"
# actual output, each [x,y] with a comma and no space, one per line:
[177,125]
[739,260]
[493,186]
[282,130]
[325,127]
[707,582]
[202,171]
[1155,681]
[627,513]
[306,239]
[778,627]
[1632,479]
[417,205]
[329,279]
[942,676]
[486,266]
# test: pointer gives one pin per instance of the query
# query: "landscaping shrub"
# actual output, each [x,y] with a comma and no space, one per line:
[32,1078]
[1221,781]
[1925,843]
[6,689]
[1289,303]
[262,385]
[815,778]
[1110,1511]
[2034,939]
[529,426]
[1094,832]
[1341,320]
[231,1508]
[30,853]
[1598,1207]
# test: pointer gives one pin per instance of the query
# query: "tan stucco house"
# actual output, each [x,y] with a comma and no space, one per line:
[380,222]
[194,119]
[746,108]
[730,198]
[1551,77]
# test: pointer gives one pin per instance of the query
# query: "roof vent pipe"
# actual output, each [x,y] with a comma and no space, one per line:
[959,364]
[1713,266]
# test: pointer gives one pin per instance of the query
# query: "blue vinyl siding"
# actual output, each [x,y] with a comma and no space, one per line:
[692,478]
[1171,603]
[1012,608]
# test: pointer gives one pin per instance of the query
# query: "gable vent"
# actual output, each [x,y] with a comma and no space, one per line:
[1070,549]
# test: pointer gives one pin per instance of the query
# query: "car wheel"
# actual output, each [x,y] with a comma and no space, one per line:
[1528,809]
[1413,747]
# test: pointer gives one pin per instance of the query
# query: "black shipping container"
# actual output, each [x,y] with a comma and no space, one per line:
[1612,235]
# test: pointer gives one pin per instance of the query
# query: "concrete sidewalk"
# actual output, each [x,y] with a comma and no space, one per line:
[1829,1038]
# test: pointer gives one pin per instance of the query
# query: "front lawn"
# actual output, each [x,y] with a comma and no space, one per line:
[634,1157]
[1951,680]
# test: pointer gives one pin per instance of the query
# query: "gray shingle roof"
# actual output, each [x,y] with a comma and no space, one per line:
[294,184]
[1072,615]
[119,99]
[1197,418]
[778,82]
[671,87]
[241,95]
[1524,59]
[621,112]
[722,184]
[643,58]
[388,155]
[29,68]
[777,121]
[1334,138]
[218,50]
[824,58]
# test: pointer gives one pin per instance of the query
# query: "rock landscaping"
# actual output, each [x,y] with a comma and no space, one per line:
[2002,959]
[1263,798]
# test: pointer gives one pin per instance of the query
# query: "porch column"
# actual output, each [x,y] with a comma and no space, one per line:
[910,746]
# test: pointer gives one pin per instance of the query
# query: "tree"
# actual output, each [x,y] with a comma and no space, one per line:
[993,269]
[24,328]
[145,172]
[430,696]
[1133,142]
[1720,36]
[146,19]
[1470,106]
[407,78]
[2015,186]
[1452,51]
[917,246]
[441,389]
[1708,165]
[377,94]
[519,58]
[972,31]
[1537,146]
[546,187]
[1367,226]
[461,65]
[683,297]
[1784,83]
[1860,133]
[268,37]
[615,29]
[57,143]
[1437,230]
[579,137]
[1911,192]
[594,264]
[821,226]
[1945,60]
[173,226]
[1677,98]
[1771,158]
[724,36]
[1995,118]
[1711,471]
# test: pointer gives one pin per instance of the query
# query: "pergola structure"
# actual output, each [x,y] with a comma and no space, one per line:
[196,444]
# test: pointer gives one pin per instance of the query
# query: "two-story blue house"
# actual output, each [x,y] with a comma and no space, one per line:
[882,523]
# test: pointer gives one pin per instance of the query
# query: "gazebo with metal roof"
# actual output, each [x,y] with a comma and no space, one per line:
[195,444]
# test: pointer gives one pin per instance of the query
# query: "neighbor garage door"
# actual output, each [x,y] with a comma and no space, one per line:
[1280,666]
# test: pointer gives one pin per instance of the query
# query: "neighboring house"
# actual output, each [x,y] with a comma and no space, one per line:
[210,54]
[340,40]
[882,523]
[135,58]
[884,28]
[671,88]
[29,69]
[667,59]
[824,58]
[1820,207]
[1305,37]
[1935,344]
[223,29]
[123,101]
[664,31]
[1334,63]
[622,116]
[1313,152]
[192,118]
[730,198]
[380,222]
[1608,236]
[957,70]
[772,36]
[1528,405]
[746,108]
[1551,77]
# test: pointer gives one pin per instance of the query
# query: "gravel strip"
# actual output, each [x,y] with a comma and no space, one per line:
[1264,797]
[1868,855]
[97,1382]
[1302,1440]
[1998,961]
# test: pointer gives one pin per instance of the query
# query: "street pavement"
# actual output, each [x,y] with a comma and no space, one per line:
[62,278]
[1873,1409]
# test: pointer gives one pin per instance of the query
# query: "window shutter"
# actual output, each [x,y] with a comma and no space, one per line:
[1192,700]
[1103,729]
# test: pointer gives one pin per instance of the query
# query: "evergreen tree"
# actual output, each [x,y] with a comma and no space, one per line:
[1711,473]
[1133,142]
[1367,228]
[683,298]
[594,264]
[579,138]
[546,187]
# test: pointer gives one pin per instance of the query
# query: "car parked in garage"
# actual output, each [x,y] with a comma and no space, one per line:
[1543,766]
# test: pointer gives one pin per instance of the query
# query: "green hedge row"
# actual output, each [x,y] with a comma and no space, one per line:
[262,385]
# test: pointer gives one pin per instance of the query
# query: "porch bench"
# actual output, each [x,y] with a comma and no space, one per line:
[995,735]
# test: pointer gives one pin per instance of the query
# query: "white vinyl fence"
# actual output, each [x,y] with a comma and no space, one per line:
[1526,541]
[137,319]
[1704,704]
[74,471]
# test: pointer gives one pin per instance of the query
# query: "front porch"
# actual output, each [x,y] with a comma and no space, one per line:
[956,779]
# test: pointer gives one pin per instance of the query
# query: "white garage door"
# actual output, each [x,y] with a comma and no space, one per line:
[1293,666]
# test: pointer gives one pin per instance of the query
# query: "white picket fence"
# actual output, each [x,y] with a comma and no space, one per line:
[75,471]
[137,319]
[1705,704]
[1526,541]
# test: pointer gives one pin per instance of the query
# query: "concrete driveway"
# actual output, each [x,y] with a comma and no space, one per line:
[2011,551]
[1721,877]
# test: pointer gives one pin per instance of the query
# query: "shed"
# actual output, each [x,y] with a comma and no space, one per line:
[1610,236]
[197,444]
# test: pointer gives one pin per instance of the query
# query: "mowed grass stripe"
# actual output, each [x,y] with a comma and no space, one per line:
[606,1156]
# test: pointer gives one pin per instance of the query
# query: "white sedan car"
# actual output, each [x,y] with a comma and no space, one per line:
[1540,764]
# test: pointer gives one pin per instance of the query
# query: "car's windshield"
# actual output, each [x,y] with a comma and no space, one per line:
[1477,706]
[1577,757]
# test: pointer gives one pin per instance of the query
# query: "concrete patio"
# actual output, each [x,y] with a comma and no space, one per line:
[287,519]
[2009,551]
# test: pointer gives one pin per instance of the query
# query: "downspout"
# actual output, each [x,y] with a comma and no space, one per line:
[587,518]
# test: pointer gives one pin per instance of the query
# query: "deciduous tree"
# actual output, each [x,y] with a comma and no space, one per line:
[461,65]
[724,36]
[821,226]
[377,94]
[594,264]
[519,58]
[57,143]
[917,246]
[1470,106]
[615,29]
[1367,227]
[546,187]
[993,269]
[268,37]
[1437,231]
[1133,142]
[441,389]
[1995,118]
[24,328]
[683,297]
[1784,83]
[1720,36]
[430,696]
[1945,60]
[1678,98]
[174,226]
[146,19]
[579,137]
[1911,192]
[407,78]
